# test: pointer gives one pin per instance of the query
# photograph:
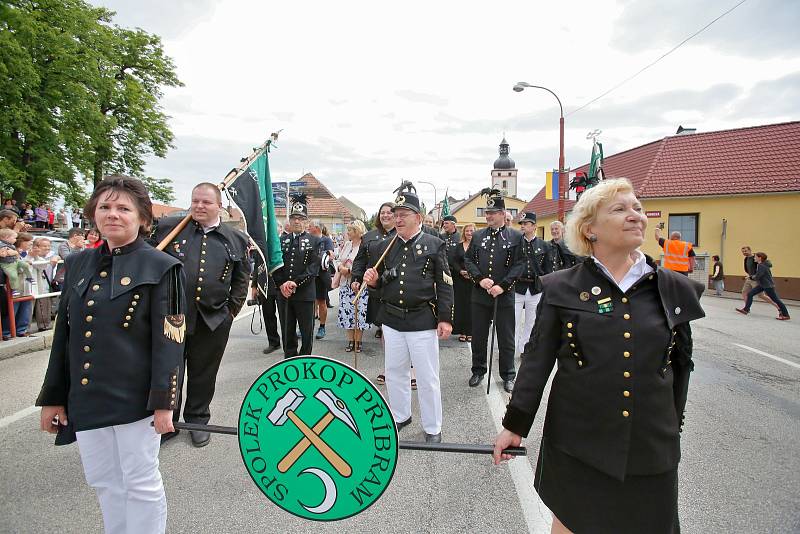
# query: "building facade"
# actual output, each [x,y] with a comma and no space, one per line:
[722,190]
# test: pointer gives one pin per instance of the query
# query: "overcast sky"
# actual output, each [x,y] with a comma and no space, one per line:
[369,93]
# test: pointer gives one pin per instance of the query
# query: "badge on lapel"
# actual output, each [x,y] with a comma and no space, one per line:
[605,305]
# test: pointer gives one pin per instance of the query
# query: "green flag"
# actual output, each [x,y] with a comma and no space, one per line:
[445,205]
[273,254]
[596,163]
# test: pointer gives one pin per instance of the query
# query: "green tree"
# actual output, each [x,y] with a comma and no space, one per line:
[82,99]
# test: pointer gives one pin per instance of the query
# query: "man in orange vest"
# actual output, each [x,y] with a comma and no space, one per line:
[678,255]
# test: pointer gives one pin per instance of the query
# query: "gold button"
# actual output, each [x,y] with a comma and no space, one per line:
[89,318]
[136,297]
[90,303]
[626,354]
[202,252]
[626,393]
[574,353]
[103,274]
[624,300]
[200,279]
[569,334]
[626,316]
[125,281]
[626,374]
[127,317]
[86,365]
[572,345]
[124,325]
[174,390]
[134,303]
[130,310]
[202,270]
[173,395]
[86,348]
[569,325]
[650,277]
[199,288]
[401,282]
[580,363]
[625,413]
[626,335]
[95,287]
[88,333]
[404,265]
[401,291]
[402,273]
[197,298]
[84,381]
[401,301]
[202,261]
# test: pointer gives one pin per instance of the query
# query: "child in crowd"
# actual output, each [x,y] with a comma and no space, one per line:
[17,271]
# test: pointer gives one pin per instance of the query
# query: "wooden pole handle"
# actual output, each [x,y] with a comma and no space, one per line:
[377,264]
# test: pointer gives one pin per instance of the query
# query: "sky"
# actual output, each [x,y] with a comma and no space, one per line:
[370,93]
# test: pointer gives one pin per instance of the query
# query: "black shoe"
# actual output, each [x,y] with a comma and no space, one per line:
[271,349]
[200,438]
[403,424]
[508,385]
[433,438]
[166,436]
[475,379]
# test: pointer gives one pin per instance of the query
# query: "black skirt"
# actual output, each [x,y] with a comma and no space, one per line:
[587,500]
[462,308]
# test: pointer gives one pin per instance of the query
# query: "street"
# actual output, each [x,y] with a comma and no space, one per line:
[740,469]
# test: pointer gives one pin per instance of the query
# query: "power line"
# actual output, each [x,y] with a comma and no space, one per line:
[629,78]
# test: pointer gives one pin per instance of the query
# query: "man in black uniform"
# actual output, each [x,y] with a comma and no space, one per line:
[296,280]
[539,258]
[565,257]
[452,240]
[264,290]
[217,270]
[417,311]
[494,263]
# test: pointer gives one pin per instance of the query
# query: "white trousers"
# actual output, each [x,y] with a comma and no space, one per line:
[121,464]
[529,303]
[421,349]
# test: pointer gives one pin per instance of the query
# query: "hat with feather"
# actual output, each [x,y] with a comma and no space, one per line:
[494,199]
[407,197]
[299,205]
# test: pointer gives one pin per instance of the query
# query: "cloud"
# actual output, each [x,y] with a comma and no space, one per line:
[772,98]
[421,98]
[763,28]
[168,19]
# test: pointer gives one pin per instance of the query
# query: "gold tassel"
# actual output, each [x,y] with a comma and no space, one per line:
[175,327]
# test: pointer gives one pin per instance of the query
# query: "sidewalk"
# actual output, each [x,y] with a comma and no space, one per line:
[23,345]
[730,295]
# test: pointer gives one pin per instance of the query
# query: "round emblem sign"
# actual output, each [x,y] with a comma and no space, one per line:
[317,438]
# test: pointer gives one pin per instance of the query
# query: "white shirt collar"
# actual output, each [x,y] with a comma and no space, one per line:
[637,270]
[210,227]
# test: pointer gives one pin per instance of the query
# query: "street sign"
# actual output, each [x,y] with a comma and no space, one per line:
[652,214]
[279,192]
[298,184]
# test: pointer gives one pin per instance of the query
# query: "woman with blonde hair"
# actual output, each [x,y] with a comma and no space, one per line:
[617,326]
[351,317]
[462,288]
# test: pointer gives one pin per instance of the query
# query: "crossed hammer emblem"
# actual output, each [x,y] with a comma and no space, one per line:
[285,409]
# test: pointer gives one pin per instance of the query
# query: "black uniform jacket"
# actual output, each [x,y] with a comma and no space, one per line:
[538,259]
[217,269]
[114,359]
[494,254]
[617,399]
[451,244]
[415,283]
[565,257]
[301,264]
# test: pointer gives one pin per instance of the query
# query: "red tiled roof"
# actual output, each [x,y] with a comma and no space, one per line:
[759,159]
[159,210]
[321,203]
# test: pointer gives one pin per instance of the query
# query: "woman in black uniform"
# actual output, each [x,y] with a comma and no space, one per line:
[617,326]
[462,288]
[111,383]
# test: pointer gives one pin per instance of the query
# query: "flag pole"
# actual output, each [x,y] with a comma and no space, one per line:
[232,175]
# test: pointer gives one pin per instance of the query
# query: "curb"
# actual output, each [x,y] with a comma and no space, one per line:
[24,345]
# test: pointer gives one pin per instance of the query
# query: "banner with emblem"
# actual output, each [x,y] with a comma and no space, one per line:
[251,192]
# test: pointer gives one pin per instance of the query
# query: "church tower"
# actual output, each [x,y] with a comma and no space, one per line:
[504,173]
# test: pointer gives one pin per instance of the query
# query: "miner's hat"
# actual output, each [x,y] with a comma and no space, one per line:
[299,205]
[450,218]
[406,197]
[494,200]
[527,216]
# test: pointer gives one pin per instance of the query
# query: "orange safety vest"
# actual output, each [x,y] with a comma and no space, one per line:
[676,255]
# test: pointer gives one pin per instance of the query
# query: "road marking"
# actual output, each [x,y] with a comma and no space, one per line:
[536,513]
[776,358]
[5,421]
[244,315]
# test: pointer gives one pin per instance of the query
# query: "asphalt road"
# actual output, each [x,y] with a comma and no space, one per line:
[740,470]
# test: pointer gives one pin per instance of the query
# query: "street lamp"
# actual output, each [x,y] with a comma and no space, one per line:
[519,87]
[434,191]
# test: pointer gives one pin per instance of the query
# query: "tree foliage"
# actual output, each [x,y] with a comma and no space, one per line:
[80,98]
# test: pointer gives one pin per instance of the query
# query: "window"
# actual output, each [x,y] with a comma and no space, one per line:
[479,212]
[686,224]
[505,184]
[513,211]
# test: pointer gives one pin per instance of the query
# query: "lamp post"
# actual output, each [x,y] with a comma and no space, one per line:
[519,87]
[434,191]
